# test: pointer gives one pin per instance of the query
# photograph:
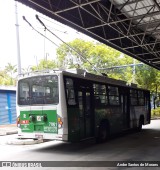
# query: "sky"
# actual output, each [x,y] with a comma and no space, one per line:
[33,47]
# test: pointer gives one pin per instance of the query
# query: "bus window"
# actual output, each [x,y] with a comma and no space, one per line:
[147,101]
[70,92]
[88,103]
[100,95]
[113,95]
[134,99]
[140,98]
[24,93]
[80,100]
[39,90]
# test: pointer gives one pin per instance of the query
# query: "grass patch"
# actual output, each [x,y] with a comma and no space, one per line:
[155,112]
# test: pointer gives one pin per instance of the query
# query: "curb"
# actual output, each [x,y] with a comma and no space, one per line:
[155,118]
[3,133]
[24,141]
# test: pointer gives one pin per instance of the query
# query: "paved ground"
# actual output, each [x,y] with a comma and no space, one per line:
[8,129]
[144,146]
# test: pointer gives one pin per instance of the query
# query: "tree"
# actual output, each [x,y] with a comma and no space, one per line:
[93,55]
[11,70]
[45,64]
[4,78]
[69,58]
[102,57]
[147,77]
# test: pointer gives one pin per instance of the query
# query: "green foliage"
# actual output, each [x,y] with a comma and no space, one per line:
[45,64]
[102,58]
[89,55]
[155,112]
[100,55]
[148,78]
[7,76]
[68,58]
[10,71]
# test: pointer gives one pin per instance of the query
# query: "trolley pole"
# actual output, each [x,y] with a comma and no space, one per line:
[18,42]
[134,70]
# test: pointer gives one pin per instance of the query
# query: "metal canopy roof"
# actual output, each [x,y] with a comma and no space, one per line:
[131,26]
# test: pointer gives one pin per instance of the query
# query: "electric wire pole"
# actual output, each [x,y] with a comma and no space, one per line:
[18,42]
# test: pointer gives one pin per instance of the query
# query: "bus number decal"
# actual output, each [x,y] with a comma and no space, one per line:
[52,124]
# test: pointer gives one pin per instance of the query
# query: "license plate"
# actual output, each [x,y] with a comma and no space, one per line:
[38,136]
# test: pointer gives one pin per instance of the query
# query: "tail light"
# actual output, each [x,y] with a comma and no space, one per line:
[60,123]
[18,121]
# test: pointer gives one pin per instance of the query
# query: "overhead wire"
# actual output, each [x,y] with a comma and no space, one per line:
[24,18]
[55,23]
[46,28]
[93,67]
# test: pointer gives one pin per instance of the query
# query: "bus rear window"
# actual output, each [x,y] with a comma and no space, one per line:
[38,90]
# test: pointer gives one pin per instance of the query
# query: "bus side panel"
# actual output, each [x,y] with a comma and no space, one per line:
[113,117]
[147,108]
[73,124]
[135,113]
[62,109]
[72,113]
[141,110]
[116,120]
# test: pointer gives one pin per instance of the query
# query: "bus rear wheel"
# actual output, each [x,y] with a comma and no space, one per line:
[139,128]
[103,133]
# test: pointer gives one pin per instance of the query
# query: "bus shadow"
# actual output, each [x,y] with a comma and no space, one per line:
[55,146]
[149,135]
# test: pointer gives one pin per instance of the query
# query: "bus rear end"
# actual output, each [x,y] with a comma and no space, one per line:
[39,108]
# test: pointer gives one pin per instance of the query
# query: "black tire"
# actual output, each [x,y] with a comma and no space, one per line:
[139,128]
[103,133]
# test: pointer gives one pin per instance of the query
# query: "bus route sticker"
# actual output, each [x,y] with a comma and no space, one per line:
[50,129]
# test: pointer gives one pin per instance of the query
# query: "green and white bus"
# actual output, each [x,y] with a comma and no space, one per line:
[74,105]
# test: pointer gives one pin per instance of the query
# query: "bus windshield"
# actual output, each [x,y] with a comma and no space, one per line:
[38,90]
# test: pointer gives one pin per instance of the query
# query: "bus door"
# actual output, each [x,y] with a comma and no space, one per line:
[125,110]
[85,112]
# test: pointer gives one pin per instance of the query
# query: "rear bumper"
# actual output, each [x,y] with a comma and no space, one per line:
[41,135]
